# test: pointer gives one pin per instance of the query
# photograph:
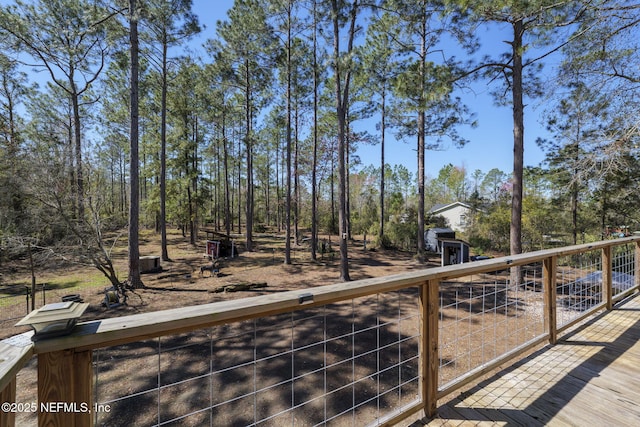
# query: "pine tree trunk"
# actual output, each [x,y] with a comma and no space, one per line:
[296,184]
[134,205]
[342,100]
[421,140]
[518,152]
[518,142]
[249,157]
[314,166]
[163,159]
[227,183]
[78,153]
[287,213]
[382,167]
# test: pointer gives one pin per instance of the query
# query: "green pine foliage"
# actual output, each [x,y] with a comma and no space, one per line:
[236,137]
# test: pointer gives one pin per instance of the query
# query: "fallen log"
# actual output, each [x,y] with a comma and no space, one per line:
[239,287]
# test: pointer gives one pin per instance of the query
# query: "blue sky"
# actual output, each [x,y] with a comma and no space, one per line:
[490,144]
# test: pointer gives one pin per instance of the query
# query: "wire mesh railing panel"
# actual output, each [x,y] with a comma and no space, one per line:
[485,316]
[16,301]
[126,382]
[578,285]
[345,364]
[623,269]
[13,307]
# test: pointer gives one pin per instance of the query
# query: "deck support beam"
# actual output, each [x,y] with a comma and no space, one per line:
[607,286]
[550,291]
[65,385]
[8,395]
[429,310]
[636,263]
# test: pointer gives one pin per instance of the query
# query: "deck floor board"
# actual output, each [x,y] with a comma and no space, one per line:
[588,378]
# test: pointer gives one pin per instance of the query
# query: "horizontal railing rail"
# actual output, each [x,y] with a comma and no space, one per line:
[489,294]
[119,330]
[17,301]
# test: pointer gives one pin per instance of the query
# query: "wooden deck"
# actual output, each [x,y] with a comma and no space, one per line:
[590,378]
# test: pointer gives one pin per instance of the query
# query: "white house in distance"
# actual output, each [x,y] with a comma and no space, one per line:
[456,214]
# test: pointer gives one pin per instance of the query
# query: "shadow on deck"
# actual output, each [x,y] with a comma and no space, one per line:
[588,378]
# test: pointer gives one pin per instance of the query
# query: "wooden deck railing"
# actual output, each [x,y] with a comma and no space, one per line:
[65,372]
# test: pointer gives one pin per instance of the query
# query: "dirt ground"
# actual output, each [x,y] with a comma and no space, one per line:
[478,318]
[181,282]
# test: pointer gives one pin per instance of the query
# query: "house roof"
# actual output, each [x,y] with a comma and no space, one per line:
[456,241]
[441,230]
[442,207]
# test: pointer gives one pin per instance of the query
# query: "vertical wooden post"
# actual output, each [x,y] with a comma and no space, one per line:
[607,288]
[550,318]
[636,262]
[65,384]
[429,310]
[8,395]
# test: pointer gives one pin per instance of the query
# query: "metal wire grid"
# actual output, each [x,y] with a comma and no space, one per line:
[344,364]
[484,316]
[623,266]
[13,307]
[16,305]
[578,285]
